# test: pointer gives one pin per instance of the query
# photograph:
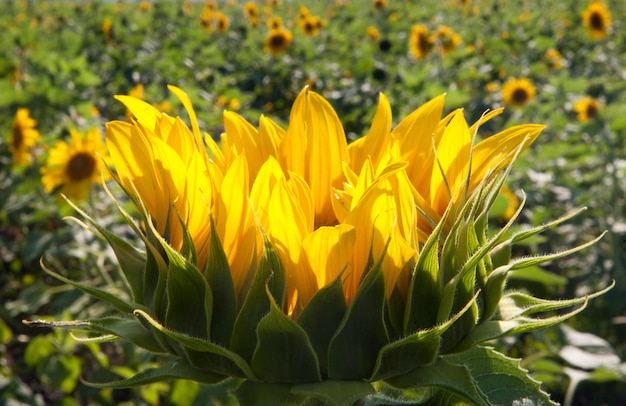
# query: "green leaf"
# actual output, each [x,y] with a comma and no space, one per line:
[354,347]
[500,378]
[220,280]
[283,353]
[262,394]
[339,393]
[418,349]
[321,318]
[210,355]
[95,292]
[126,329]
[257,302]
[445,375]
[173,370]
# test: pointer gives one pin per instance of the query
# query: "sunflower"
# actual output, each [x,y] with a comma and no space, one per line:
[421,42]
[380,4]
[277,41]
[373,33]
[221,22]
[310,25]
[597,19]
[518,92]
[107,29]
[447,39]
[23,137]
[75,166]
[274,23]
[554,58]
[251,10]
[586,108]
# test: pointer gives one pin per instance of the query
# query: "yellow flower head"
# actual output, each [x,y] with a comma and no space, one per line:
[251,10]
[597,19]
[373,33]
[554,58]
[274,23]
[107,29]
[586,108]
[310,25]
[23,137]
[277,41]
[75,166]
[420,41]
[380,4]
[447,39]
[326,207]
[518,92]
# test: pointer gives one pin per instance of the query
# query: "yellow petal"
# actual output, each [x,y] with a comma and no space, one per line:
[329,251]
[374,144]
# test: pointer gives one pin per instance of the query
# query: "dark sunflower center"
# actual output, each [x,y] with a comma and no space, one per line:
[277,41]
[81,166]
[596,21]
[17,139]
[423,43]
[592,111]
[520,96]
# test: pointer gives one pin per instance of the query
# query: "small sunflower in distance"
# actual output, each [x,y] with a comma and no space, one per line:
[277,41]
[447,39]
[518,92]
[23,137]
[586,108]
[597,19]
[75,166]
[420,41]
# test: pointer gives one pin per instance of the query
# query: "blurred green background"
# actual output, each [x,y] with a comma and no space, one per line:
[65,60]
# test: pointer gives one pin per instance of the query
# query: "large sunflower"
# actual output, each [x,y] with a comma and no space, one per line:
[76,165]
[277,41]
[23,137]
[518,92]
[597,19]
[420,42]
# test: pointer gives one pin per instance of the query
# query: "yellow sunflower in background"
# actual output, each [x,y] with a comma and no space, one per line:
[518,92]
[586,108]
[23,137]
[380,4]
[420,41]
[373,33]
[597,19]
[447,39]
[251,10]
[274,23]
[75,166]
[310,25]
[277,41]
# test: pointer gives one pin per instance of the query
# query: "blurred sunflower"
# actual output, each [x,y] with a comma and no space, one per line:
[554,58]
[75,166]
[373,33]
[380,4]
[597,19]
[310,25]
[420,41]
[274,23]
[107,29]
[586,108]
[251,10]
[23,137]
[447,39]
[221,22]
[277,41]
[518,92]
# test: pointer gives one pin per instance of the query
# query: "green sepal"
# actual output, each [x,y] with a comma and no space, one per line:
[500,378]
[105,296]
[362,333]
[497,279]
[177,369]
[321,318]
[426,286]
[283,353]
[250,393]
[337,393]
[514,313]
[132,262]
[443,375]
[210,355]
[127,329]
[190,300]
[220,279]
[420,348]
[257,303]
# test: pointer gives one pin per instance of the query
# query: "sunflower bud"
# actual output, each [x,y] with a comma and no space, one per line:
[306,269]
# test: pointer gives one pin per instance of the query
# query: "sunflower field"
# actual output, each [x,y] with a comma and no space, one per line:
[130,143]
